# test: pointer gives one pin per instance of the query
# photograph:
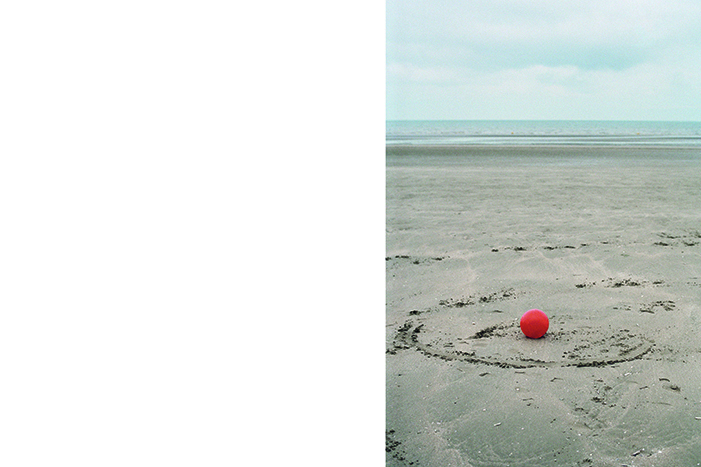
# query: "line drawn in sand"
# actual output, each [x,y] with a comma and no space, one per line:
[504,345]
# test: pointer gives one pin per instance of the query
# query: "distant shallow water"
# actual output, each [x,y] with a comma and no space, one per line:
[584,133]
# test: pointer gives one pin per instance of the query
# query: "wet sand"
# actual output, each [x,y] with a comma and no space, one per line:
[607,242]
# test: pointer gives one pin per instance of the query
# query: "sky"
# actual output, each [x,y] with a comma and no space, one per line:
[543,60]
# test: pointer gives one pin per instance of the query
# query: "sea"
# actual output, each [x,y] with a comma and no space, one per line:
[543,132]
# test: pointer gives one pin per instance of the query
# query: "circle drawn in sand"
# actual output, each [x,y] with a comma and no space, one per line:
[573,344]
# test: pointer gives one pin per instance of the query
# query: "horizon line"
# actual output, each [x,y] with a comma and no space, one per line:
[530,120]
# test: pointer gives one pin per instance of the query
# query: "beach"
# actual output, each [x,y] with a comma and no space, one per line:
[606,240]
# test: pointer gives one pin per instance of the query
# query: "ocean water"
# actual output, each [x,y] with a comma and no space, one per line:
[543,132]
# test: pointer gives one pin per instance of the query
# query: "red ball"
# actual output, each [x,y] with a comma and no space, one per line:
[534,324]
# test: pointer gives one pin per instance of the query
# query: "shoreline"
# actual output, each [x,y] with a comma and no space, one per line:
[394,148]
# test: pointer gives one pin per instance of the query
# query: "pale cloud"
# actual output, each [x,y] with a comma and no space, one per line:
[510,58]
[414,73]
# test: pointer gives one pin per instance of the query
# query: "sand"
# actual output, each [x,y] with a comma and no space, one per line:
[605,241]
